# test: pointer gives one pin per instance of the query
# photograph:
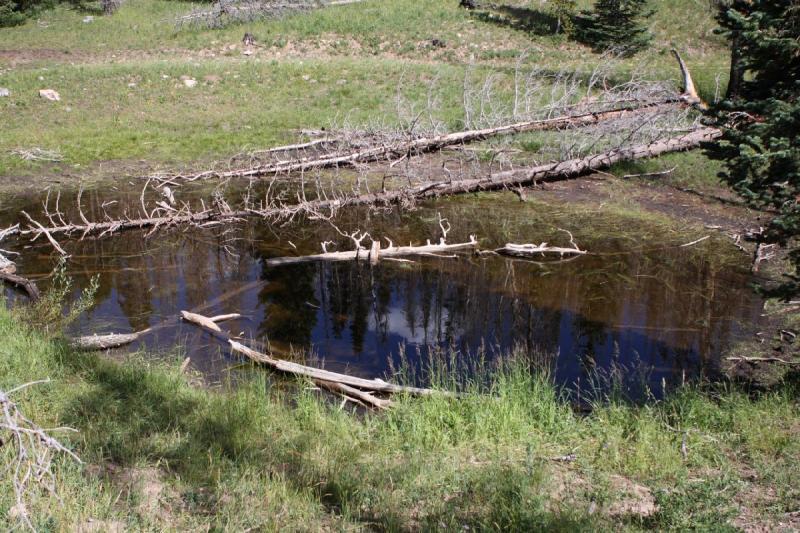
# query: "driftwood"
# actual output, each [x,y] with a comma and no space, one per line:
[91,343]
[531,250]
[511,179]
[23,283]
[755,360]
[421,145]
[353,393]
[372,385]
[375,253]
[689,95]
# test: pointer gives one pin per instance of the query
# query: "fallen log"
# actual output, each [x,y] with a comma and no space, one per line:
[755,360]
[511,179]
[376,253]
[92,343]
[530,250]
[374,385]
[423,144]
[23,283]
[353,393]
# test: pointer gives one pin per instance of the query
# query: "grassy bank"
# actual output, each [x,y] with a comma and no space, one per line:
[124,109]
[163,454]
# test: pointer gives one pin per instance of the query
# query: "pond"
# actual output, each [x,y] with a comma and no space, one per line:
[640,306]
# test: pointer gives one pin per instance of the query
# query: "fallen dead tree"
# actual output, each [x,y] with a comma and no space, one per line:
[29,466]
[24,284]
[375,252]
[421,145]
[368,385]
[511,179]
[92,343]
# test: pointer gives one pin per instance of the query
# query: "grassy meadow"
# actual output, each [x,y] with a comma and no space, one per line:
[162,452]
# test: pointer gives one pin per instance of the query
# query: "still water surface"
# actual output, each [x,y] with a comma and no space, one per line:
[662,312]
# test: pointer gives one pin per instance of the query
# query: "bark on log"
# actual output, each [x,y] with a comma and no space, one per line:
[426,144]
[23,283]
[531,250]
[375,253]
[91,343]
[511,179]
[375,385]
[353,393]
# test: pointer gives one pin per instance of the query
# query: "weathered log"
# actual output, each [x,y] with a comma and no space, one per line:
[755,360]
[425,144]
[531,250]
[7,265]
[23,283]
[375,385]
[91,343]
[689,95]
[511,179]
[375,253]
[353,393]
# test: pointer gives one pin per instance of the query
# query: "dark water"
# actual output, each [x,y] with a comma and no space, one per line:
[660,312]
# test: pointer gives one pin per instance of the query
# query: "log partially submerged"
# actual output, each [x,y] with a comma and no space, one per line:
[92,343]
[376,253]
[424,145]
[371,385]
[25,284]
[511,179]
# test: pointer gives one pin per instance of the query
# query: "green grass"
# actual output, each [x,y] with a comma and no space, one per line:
[277,458]
[357,55]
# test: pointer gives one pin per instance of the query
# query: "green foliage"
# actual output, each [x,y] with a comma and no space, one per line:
[761,123]
[15,12]
[616,25]
[564,12]
[51,313]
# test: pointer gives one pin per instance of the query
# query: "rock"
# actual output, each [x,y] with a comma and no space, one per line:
[4,92]
[190,82]
[131,85]
[306,77]
[247,52]
[87,19]
[50,94]
[97,526]
[632,499]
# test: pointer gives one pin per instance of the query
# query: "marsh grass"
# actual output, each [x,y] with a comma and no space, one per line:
[162,454]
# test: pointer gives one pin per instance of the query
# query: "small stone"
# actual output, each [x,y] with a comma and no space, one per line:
[341,82]
[247,52]
[50,94]
[4,92]
[164,76]
[87,19]
[190,83]
[306,77]
[131,85]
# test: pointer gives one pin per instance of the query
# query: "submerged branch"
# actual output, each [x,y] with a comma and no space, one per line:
[373,385]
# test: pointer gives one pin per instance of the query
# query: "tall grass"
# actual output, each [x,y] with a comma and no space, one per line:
[276,458]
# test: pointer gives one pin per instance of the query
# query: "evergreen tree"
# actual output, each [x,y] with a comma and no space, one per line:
[564,11]
[15,12]
[617,25]
[760,119]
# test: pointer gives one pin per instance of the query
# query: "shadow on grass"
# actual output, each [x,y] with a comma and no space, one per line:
[525,19]
[129,416]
